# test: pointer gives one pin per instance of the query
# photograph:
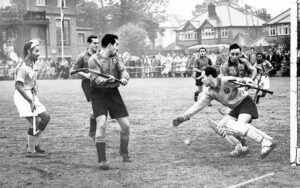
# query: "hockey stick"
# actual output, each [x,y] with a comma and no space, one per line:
[92,71]
[249,86]
[34,117]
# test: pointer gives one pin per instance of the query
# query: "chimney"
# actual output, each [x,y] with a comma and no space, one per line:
[211,10]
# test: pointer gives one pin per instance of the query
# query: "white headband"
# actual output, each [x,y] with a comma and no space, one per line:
[34,43]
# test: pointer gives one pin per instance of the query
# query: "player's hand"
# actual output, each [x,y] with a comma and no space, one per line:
[180,119]
[32,106]
[111,78]
[87,75]
[124,81]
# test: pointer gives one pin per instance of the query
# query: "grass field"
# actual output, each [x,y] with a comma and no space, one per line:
[160,158]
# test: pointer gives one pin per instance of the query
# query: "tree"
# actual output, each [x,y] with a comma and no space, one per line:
[201,8]
[133,39]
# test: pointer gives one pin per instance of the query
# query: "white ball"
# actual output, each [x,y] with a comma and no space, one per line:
[187,141]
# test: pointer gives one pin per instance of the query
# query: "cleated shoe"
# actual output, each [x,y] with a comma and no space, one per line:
[266,150]
[39,150]
[34,154]
[104,165]
[239,151]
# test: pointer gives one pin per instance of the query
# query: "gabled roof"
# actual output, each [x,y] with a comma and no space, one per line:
[227,15]
[284,17]
[194,24]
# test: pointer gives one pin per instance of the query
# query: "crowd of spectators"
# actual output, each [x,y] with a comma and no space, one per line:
[169,65]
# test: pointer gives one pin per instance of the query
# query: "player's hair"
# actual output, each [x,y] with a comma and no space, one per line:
[234,46]
[27,46]
[90,38]
[201,48]
[210,71]
[262,54]
[108,39]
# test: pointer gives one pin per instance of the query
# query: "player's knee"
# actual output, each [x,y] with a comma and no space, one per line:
[44,122]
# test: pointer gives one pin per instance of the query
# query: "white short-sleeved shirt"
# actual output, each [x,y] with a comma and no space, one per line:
[26,73]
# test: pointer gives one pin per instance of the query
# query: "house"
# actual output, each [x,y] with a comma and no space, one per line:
[41,19]
[278,29]
[167,24]
[222,24]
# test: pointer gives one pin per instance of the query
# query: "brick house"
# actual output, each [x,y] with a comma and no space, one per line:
[41,19]
[222,24]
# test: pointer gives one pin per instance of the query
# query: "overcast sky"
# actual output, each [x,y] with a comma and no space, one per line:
[185,7]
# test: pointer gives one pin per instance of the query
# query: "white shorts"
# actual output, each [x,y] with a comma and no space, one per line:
[264,82]
[23,105]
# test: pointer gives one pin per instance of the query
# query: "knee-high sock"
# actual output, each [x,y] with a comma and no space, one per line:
[31,140]
[93,124]
[124,146]
[100,146]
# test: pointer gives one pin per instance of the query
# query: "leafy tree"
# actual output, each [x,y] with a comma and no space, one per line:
[201,8]
[133,39]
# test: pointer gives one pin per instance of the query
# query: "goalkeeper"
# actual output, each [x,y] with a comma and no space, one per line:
[242,105]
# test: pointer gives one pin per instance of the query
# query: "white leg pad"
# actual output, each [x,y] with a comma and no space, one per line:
[236,129]
[231,139]
[245,129]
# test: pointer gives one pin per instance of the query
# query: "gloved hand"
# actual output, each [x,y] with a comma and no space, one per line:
[180,119]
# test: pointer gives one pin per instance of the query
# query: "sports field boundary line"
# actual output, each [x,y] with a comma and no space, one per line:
[251,180]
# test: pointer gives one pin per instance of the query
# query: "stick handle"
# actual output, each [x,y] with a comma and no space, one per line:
[34,117]
[92,71]
[253,87]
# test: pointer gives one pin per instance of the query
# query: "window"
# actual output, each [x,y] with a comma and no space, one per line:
[188,35]
[40,2]
[59,2]
[209,33]
[66,32]
[284,29]
[39,33]
[224,33]
[272,30]
[80,38]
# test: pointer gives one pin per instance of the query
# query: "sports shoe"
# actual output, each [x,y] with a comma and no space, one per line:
[104,165]
[39,150]
[239,151]
[126,158]
[266,150]
[34,154]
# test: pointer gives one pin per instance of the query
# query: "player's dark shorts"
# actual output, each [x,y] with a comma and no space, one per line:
[86,85]
[198,82]
[106,100]
[246,107]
